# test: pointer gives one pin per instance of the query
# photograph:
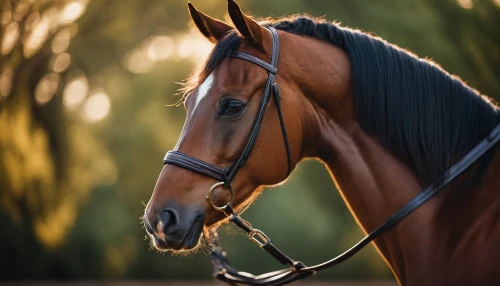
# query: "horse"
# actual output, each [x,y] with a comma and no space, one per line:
[385,123]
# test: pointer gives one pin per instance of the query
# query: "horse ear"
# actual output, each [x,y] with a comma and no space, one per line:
[248,28]
[211,28]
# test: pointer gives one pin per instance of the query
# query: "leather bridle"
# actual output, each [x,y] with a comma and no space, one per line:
[297,270]
[227,175]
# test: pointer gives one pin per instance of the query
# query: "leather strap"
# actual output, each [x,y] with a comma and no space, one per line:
[225,273]
[263,104]
[276,92]
[269,67]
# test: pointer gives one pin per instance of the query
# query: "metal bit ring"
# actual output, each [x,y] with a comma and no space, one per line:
[211,199]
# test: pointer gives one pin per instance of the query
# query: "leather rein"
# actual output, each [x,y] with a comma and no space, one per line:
[297,270]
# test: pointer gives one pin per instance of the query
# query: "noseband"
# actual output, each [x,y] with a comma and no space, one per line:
[297,270]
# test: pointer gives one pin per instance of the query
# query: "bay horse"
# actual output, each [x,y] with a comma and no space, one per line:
[385,123]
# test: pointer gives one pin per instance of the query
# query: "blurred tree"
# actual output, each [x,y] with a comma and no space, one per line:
[471,28]
[42,181]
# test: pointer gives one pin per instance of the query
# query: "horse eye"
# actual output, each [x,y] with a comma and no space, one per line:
[234,107]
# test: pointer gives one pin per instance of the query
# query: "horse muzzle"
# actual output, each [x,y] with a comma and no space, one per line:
[174,227]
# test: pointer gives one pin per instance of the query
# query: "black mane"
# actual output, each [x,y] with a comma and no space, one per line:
[426,117]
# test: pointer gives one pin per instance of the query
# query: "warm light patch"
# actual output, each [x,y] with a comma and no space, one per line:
[61,62]
[466,4]
[37,37]
[159,48]
[72,11]
[108,171]
[75,92]
[31,20]
[496,2]
[53,228]
[73,29]
[193,45]
[21,10]
[52,16]
[97,106]
[6,81]
[9,39]
[143,58]
[6,16]
[61,41]
[137,61]
[46,88]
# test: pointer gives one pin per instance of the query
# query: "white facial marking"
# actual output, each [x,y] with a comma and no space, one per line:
[159,231]
[203,89]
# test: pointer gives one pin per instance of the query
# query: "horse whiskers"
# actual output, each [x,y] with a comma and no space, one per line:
[205,244]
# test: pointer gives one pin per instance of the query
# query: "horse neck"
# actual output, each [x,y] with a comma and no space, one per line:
[373,183]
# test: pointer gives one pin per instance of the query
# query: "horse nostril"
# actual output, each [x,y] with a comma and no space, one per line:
[170,221]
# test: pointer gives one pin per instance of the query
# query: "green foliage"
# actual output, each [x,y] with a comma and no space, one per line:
[71,188]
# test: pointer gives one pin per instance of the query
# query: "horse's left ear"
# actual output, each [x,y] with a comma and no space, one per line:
[211,28]
[248,28]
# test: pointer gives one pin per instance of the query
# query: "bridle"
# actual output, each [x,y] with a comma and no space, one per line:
[297,270]
[227,175]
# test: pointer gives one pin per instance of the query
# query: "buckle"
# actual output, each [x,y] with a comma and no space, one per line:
[258,237]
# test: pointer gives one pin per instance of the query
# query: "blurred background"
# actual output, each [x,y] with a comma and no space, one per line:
[84,128]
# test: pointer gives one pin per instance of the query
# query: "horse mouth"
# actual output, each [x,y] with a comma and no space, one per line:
[179,242]
[192,237]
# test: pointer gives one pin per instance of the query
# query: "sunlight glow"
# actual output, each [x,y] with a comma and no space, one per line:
[73,29]
[72,12]
[6,16]
[496,2]
[75,92]
[21,10]
[97,106]
[10,37]
[61,41]
[53,228]
[159,48]
[52,16]
[31,20]
[137,61]
[193,45]
[466,4]
[37,37]
[6,81]
[61,62]
[46,88]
